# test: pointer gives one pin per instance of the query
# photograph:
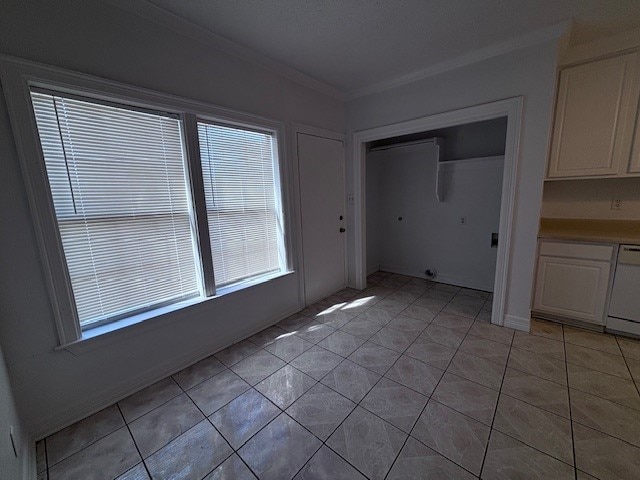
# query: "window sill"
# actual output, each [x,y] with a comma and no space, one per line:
[109,333]
[248,284]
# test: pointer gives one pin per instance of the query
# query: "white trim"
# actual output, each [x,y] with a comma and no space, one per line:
[527,40]
[322,133]
[512,109]
[160,16]
[517,323]
[17,76]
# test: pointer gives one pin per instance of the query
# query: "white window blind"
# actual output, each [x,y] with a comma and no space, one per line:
[120,193]
[242,194]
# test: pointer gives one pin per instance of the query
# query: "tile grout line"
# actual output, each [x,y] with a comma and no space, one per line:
[282,411]
[157,406]
[184,391]
[430,397]
[126,423]
[206,418]
[531,373]
[573,440]
[202,412]
[495,412]
[633,380]
[535,406]
[408,434]
[228,367]
[135,445]
[358,404]
[572,422]
[89,444]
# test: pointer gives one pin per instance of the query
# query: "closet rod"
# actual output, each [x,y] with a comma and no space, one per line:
[406,144]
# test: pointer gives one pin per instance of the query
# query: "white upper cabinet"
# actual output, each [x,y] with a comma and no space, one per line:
[595,118]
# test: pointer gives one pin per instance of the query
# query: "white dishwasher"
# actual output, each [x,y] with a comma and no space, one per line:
[624,307]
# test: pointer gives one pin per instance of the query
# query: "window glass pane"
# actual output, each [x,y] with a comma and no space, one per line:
[242,193]
[119,188]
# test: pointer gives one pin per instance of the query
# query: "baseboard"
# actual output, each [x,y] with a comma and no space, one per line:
[325,295]
[74,414]
[448,279]
[517,323]
[461,282]
[372,270]
[568,321]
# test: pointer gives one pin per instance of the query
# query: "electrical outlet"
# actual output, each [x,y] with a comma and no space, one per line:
[616,204]
[463,220]
[12,437]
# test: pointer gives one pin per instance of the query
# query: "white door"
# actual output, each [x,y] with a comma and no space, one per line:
[322,196]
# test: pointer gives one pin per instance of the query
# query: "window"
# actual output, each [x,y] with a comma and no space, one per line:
[118,183]
[239,169]
[141,202]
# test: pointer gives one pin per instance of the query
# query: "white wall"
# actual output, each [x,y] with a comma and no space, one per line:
[477,139]
[528,72]
[11,466]
[591,199]
[401,182]
[53,388]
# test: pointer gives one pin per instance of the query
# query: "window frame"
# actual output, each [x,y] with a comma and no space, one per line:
[279,200]
[19,76]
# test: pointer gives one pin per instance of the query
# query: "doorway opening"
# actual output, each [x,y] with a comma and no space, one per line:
[440,190]
[433,203]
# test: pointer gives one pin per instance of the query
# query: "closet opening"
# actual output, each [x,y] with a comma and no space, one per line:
[433,199]
[433,204]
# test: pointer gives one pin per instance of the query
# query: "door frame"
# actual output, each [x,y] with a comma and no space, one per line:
[510,108]
[301,128]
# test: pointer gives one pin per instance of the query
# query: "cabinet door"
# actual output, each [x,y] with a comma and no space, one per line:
[595,115]
[572,288]
[634,163]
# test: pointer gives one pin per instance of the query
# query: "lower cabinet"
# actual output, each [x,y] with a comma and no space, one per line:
[573,280]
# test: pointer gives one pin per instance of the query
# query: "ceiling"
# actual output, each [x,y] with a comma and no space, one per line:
[354,45]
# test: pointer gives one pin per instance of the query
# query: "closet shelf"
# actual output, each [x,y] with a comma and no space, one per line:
[441,165]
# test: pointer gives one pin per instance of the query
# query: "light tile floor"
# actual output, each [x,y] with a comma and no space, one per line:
[404,380]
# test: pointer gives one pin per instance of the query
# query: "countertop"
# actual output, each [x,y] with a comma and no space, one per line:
[601,231]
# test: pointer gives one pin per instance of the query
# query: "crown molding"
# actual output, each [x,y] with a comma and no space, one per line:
[160,16]
[553,32]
